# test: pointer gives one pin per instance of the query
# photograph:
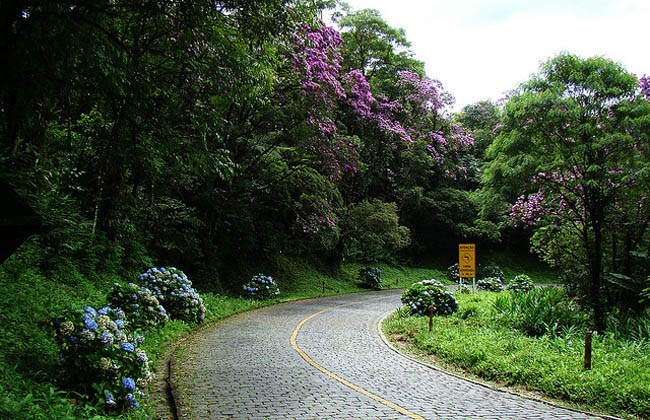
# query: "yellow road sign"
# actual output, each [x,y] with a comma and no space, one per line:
[467,260]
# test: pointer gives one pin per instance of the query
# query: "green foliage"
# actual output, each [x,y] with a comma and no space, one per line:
[370,278]
[521,283]
[539,311]
[490,284]
[490,270]
[101,357]
[572,153]
[372,232]
[374,47]
[141,307]
[453,274]
[475,341]
[429,296]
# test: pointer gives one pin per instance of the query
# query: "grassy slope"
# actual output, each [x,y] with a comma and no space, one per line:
[619,382]
[28,352]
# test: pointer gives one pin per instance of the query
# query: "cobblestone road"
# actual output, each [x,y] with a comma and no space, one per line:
[246,368]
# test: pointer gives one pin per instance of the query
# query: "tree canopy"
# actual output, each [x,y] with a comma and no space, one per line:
[575,143]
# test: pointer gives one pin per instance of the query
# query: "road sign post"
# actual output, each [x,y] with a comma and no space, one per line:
[467,263]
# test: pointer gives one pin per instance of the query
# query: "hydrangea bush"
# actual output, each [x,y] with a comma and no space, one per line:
[370,278]
[174,291]
[102,357]
[142,308]
[419,296]
[490,284]
[491,270]
[453,274]
[521,284]
[261,287]
[463,289]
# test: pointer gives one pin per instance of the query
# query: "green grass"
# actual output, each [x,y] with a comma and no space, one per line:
[29,354]
[479,343]
[29,375]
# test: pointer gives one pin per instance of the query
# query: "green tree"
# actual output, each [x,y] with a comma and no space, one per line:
[575,141]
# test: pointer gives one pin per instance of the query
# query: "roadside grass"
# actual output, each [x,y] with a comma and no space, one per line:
[30,386]
[483,345]
[513,265]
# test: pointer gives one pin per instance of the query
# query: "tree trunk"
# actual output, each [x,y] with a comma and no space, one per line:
[595,269]
[614,252]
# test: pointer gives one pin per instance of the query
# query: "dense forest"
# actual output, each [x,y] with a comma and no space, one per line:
[208,137]
[216,136]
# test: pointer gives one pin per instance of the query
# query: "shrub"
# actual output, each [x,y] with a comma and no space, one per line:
[421,295]
[491,270]
[370,278]
[490,284]
[101,357]
[175,293]
[521,284]
[373,232]
[261,287]
[142,308]
[453,274]
[538,312]
[463,289]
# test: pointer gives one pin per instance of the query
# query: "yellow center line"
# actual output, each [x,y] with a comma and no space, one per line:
[377,398]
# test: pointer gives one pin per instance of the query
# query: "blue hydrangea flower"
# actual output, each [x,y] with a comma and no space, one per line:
[107,338]
[109,399]
[132,401]
[128,384]
[127,347]
[90,310]
[119,323]
[91,324]
[104,311]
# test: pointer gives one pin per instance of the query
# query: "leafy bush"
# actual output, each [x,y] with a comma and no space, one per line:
[453,273]
[421,295]
[490,284]
[521,284]
[101,357]
[629,325]
[370,278]
[540,311]
[175,293]
[491,270]
[463,289]
[373,232]
[261,287]
[142,308]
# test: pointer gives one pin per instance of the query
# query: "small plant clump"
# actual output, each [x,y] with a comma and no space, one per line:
[453,274]
[420,296]
[491,270]
[370,278]
[521,284]
[463,289]
[142,308]
[490,284]
[101,357]
[175,293]
[261,287]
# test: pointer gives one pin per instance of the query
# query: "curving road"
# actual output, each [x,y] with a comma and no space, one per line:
[324,359]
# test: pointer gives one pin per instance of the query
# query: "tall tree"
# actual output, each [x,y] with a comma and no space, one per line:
[575,138]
